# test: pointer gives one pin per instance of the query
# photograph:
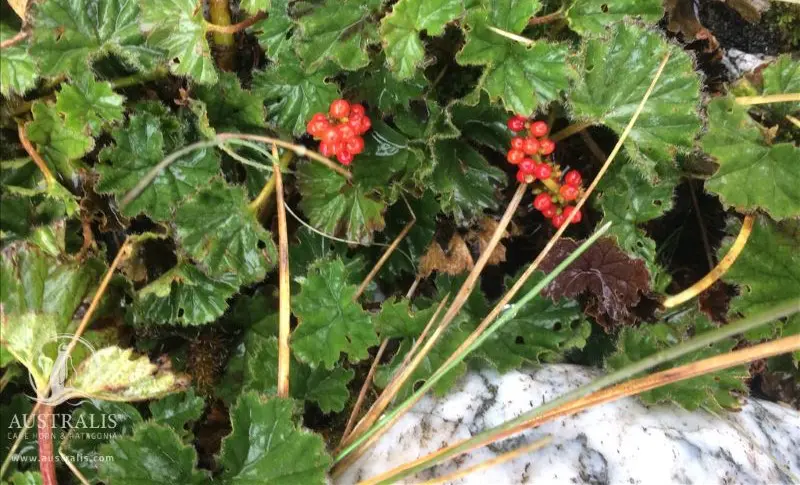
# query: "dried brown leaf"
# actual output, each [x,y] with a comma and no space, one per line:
[483,234]
[612,281]
[683,19]
[456,260]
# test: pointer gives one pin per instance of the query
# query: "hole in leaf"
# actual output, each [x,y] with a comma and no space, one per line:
[180,312]
[519,340]
[604,8]
[261,244]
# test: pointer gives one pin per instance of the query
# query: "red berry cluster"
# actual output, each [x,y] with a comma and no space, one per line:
[526,153]
[340,130]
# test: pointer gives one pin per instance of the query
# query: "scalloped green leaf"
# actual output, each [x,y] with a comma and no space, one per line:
[293,96]
[522,77]
[231,108]
[591,17]
[464,181]
[85,102]
[25,336]
[140,146]
[401,29]
[18,71]
[617,72]
[178,410]
[753,174]
[59,144]
[217,228]
[266,446]
[629,200]
[154,454]
[337,31]
[69,34]
[184,295]
[273,33]
[114,374]
[329,321]
[716,391]
[766,272]
[178,28]
[337,207]
[780,77]
[379,86]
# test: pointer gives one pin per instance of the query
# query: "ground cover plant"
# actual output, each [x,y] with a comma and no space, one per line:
[240,238]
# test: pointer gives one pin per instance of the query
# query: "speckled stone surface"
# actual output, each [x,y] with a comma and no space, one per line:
[623,442]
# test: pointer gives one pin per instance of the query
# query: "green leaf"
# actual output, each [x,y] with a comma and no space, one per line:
[464,180]
[330,322]
[26,336]
[401,29]
[292,96]
[25,478]
[481,121]
[153,455]
[178,410]
[379,86]
[715,391]
[184,295]
[59,144]
[337,207]
[522,77]
[139,147]
[629,200]
[88,103]
[218,229]
[178,28]
[92,425]
[231,108]
[254,6]
[310,247]
[265,446]
[542,331]
[669,121]
[273,33]
[339,31]
[114,374]
[766,272]
[69,34]
[753,174]
[591,17]
[780,77]
[18,72]
[13,414]
[327,388]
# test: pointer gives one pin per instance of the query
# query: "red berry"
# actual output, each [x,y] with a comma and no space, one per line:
[341,146]
[530,146]
[344,157]
[573,178]
[546,146]
[345,131]
[355,122]
[550,211]
[327,149]
[542,171]
[311,128]
[330,135]
[569,192]
[539,129]
[356,110]
[355,145]
[558,220]
[517,143]
[578,216]
[542,202]
[366,124]
[516,123]
[340,108]
[515,156]
[523,177]
[319,117]
[527,166]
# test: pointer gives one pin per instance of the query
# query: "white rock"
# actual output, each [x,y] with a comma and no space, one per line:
[622,442]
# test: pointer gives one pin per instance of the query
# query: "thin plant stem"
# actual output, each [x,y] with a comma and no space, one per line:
[600,396]
[284,284]
[238,27]
[546,19]
[720,269]
[139,78]
[73,468]
[37,159]
[16,39]
[384,257]
[570,130]
[772,98]
[793,120]
[497,460]
[511,35]
[362,394]
[355,447]
[413,350]
[463,293]
[44,436]
[224,42]
[258,204]
[593,146]
[244,161]
[20,436]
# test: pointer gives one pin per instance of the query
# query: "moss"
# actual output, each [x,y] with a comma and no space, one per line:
[787,17]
